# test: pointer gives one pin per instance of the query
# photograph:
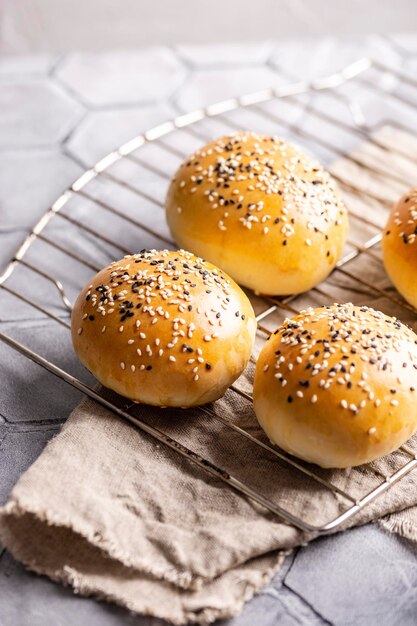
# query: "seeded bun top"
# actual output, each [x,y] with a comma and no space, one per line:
[261,209]
[164,328]
[337,385]
[399,245]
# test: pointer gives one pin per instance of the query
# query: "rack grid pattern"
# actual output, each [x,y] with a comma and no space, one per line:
[167,142]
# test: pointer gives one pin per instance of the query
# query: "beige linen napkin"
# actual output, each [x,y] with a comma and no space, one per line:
[114,514]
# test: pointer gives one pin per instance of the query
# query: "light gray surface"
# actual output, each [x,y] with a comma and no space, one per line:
[361,578]
[45,25]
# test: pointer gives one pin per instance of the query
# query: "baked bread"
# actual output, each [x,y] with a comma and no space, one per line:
[260,209]
[399,246]
[336,385]
[164,328]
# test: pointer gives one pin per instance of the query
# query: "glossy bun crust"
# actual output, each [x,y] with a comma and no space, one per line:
[164,328]
[399,246]
[260,209]
[336,385]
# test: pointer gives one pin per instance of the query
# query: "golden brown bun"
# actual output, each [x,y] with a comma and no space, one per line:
[164,328]
[337,385]
[260,209]
[399,246]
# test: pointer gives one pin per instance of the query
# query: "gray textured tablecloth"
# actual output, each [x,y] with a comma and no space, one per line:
[58,115]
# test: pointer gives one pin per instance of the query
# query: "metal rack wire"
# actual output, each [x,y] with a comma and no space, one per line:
[168,142]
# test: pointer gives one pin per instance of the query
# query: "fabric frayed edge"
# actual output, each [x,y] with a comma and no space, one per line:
[183,580]
[399,527]
[71,577]
[210,615]
[74,579]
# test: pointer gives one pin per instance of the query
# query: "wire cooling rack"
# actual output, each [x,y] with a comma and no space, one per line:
[300,111]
